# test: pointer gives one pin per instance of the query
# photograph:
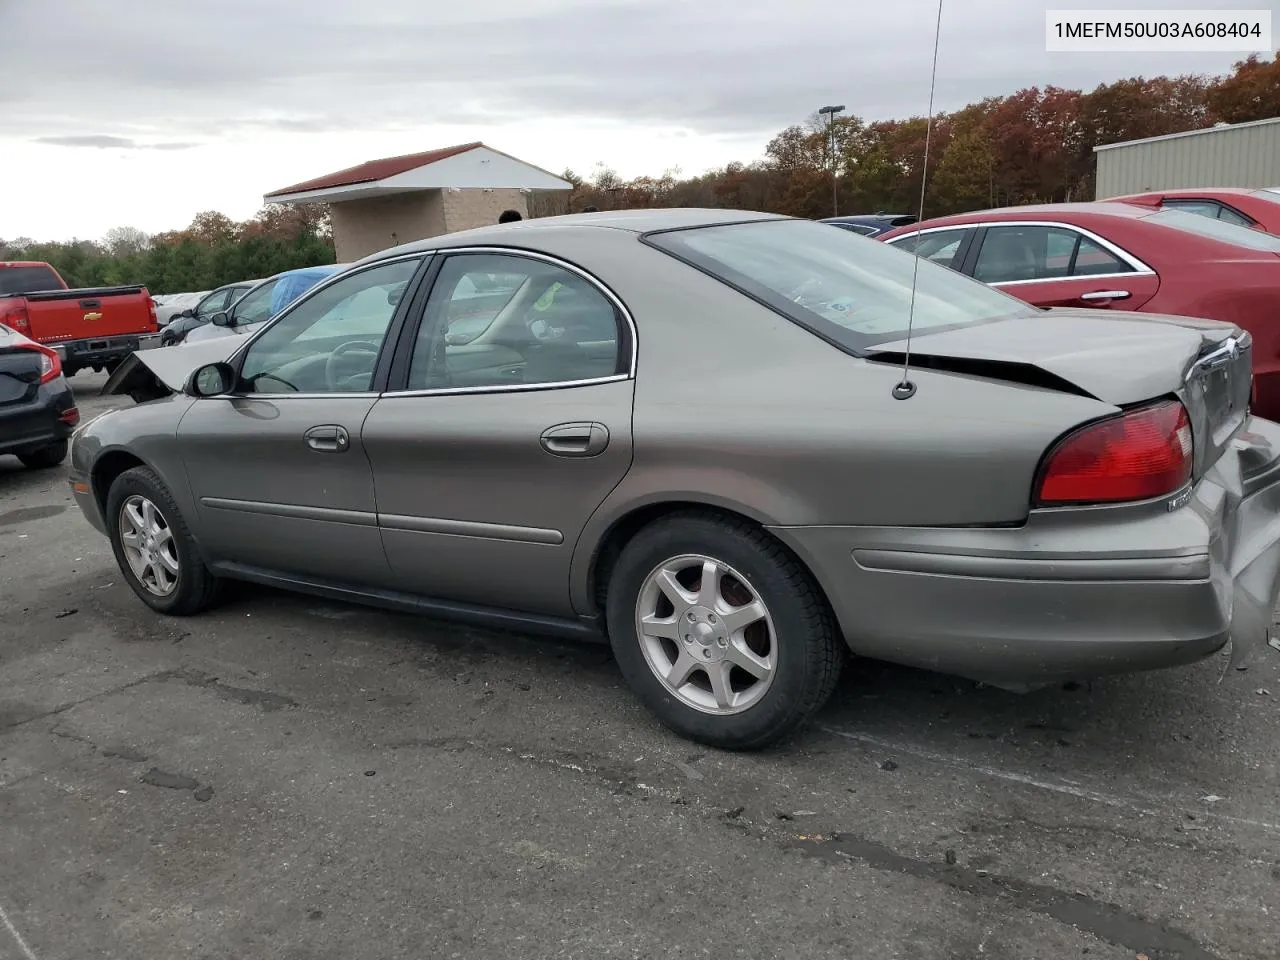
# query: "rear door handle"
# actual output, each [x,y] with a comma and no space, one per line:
[586,439]
[1105,295]
[328,438]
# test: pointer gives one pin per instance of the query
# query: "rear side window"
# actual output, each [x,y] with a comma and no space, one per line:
[1218,230]
[27,280]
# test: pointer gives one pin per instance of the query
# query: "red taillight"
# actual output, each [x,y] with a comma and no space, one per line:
[14,316]
[151,307]
[50,362]
[70,416]
[1140,454]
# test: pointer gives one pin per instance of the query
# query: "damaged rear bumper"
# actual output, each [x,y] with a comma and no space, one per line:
[1072,593]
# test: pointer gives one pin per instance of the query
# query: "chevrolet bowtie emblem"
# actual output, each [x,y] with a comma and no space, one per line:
[93,316]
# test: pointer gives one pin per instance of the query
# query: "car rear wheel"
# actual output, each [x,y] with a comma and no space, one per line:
[721,632]
[45,457]
[154,548]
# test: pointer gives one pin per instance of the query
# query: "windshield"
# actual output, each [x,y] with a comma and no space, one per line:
[1217,230]
[851,290]
[27,280]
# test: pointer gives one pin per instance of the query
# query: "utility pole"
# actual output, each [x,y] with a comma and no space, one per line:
[831,112]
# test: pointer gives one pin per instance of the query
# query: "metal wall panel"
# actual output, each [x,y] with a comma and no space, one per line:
[1246,155]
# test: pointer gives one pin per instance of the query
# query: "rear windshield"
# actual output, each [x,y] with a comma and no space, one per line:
[27,280]
[850,290]
[1217,230]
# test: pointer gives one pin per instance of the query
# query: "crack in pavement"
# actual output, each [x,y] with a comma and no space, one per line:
[64,707]
[1105,921]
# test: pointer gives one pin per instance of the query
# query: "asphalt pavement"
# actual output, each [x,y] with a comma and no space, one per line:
[296,779]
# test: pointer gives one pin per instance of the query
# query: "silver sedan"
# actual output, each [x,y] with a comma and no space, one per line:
[695,433]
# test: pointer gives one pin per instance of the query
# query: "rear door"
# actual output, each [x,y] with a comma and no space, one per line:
[1060,265]
[502,439]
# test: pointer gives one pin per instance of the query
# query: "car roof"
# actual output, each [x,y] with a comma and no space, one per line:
[531,232]
[1191,192]
[1039,211]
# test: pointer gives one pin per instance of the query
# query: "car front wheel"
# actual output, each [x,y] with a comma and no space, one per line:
[154,548]
[721,632]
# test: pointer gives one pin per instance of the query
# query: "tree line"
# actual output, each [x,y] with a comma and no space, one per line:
[1032,146]
[211,251]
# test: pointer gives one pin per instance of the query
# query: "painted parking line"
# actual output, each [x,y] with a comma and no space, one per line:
[27,952]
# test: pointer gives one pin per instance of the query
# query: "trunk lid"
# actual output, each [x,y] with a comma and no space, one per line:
[20,369]
[1119,359]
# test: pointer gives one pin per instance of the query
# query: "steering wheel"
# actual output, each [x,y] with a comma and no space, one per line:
[331,365]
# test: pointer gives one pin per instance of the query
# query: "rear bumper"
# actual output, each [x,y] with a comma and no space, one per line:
[1070,594]
[31,426]
[97,353]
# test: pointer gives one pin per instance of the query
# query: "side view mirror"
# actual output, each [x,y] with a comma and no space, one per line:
[189,312]
[211,380]
[221,319]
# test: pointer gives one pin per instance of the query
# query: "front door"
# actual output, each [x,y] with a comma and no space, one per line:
[509,430]
[1059,266]
[278,469]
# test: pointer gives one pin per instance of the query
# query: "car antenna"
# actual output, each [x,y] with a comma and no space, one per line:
[905,389]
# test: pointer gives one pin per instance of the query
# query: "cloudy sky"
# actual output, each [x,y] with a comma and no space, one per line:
[145,112]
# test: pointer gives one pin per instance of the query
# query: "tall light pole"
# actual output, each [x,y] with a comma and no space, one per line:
[831,112]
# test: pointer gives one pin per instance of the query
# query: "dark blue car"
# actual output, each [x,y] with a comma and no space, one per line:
[871,224]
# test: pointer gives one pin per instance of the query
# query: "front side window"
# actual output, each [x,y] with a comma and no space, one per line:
[212,303]
[331,341]
[497,320]
[852,293]
[938,246]
[1216,230]
[254,306]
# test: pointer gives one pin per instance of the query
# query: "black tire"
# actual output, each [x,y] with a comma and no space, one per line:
[809,649]
[46,457]
[196,588]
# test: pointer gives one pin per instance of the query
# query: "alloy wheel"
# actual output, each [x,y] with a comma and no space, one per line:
[149,546]
[706,634]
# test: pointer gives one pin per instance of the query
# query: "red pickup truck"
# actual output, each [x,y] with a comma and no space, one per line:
[96,328]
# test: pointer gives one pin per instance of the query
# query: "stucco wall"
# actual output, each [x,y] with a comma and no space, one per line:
[465,209]
[362,227]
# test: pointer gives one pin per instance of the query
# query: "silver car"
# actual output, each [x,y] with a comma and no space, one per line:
[693,432]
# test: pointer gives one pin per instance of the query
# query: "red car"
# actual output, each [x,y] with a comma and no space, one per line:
[1122,256]
[1258,209]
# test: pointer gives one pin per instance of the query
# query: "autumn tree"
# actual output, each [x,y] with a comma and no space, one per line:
[1252,92]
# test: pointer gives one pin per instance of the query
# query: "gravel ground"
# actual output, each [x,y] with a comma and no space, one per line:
[289,778]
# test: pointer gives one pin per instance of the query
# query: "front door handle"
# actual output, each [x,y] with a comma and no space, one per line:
[587,439]
[1105,295]
[328,438]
